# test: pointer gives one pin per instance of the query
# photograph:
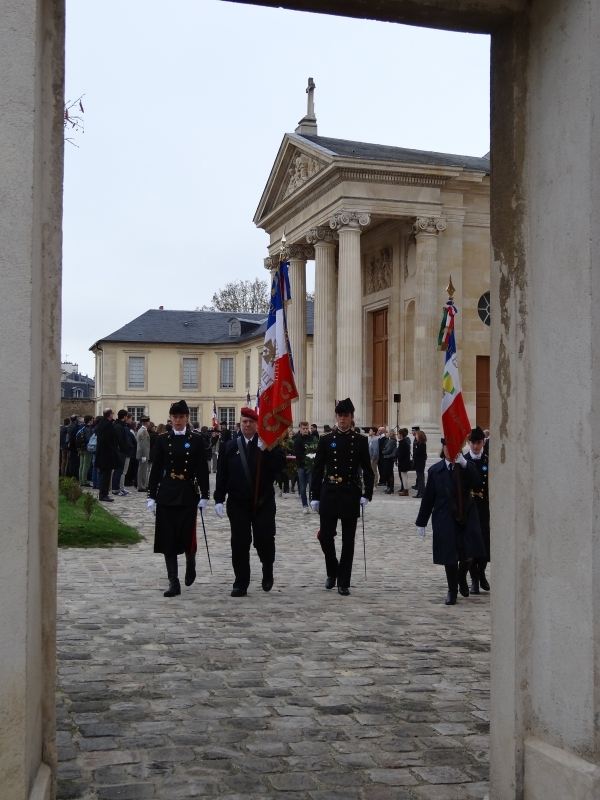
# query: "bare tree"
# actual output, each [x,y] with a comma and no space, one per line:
[310,297]
[73,121]
[252,297]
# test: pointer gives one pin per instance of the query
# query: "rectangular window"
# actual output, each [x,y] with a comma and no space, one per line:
[190,373]
[227,415]
[193,414]
[260,366]
[137,372]
[137,412]
[247,372]
[226,373]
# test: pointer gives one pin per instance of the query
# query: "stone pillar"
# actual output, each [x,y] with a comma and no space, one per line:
[325,335]
[296,320]
[349,311]
[427,391]
[31,173]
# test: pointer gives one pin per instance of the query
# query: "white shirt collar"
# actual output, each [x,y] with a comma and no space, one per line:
[448,463]
[476,457]
[179,433]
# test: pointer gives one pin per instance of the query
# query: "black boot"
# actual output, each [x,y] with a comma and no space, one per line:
[483,581]
[474,573]
[463,586]
[190,568]
[330,582]
[452,578]
[267,578]
[174,585]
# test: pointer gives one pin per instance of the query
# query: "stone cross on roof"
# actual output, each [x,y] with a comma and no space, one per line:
[308,124]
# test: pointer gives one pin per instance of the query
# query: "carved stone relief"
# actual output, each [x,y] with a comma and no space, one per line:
[378,271]
[302,168]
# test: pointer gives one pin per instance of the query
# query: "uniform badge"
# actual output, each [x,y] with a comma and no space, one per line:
[333,444]
[187,444]
[484,469]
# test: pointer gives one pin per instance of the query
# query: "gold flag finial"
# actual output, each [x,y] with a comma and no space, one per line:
[283,241]
[450,289]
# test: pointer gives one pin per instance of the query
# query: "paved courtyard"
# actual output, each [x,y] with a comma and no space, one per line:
[296,694]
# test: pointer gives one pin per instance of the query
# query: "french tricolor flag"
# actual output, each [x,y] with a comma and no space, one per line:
[277,386]
[455,422]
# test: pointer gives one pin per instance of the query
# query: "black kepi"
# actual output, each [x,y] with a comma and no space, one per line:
[476,435]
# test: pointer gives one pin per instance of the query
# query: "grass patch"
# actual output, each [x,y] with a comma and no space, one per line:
[101,530]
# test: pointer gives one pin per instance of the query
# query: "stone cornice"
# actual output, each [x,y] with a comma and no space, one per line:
[350,219]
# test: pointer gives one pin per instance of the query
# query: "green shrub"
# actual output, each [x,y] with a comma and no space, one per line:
[89,501]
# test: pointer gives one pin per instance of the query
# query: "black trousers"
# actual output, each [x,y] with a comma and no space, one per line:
[343,568]
[251,526]
[104,482]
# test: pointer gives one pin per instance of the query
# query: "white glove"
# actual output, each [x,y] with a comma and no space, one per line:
[144,459]
[219,510]
[314,504]
[364,502]
[202,504]
[261,444]
[460,459]
[421,532]
[152,506]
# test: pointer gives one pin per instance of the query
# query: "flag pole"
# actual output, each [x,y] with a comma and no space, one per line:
[451,290]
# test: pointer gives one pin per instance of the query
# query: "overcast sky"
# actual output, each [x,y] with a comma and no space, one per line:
[186,104]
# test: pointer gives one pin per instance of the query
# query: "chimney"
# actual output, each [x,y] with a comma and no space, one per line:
[161,308]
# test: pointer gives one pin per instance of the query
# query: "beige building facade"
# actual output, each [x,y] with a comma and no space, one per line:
[387,228]
[200,356]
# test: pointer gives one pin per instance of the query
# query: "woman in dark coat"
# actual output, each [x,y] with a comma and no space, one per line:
[403,460]
[388,456]
[456,531]
[420,461]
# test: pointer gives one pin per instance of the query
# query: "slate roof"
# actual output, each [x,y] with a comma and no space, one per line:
[193,327]
[381,152]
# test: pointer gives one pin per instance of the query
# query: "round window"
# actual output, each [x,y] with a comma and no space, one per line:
[483,308]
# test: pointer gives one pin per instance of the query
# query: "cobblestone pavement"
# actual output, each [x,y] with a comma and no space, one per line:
[300,693]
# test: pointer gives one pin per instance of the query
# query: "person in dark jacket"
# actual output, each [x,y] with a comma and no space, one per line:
[64,447]
[107,453]
[420,461]
[75,425]
[178,486]
[302,440]
[389,456]
[122,433]
[383,440]
[338,494]
[245,475]
[225,435]
[403,460]
[456,531]
[479,455]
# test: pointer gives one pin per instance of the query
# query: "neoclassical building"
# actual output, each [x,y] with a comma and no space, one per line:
[386,227]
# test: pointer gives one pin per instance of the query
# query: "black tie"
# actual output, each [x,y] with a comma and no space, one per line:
[450,468]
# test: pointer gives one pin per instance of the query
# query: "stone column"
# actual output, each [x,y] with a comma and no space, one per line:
[427,384]
[324,336]
[349,311]
[296,320]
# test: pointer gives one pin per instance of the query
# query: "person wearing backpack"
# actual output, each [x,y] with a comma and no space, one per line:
[82,438]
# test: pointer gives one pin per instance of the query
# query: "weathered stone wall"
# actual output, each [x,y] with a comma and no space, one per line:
[77,405]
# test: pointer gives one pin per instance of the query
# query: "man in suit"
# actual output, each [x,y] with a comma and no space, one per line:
[108,456]
[382,442]
[456,532]
[479,455]
[245,475]
[177,488]
[142,438]
[338,494]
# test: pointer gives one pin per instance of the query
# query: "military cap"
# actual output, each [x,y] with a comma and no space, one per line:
[179,407]
[250,413]
[476,435]
[345,407]
[415,428]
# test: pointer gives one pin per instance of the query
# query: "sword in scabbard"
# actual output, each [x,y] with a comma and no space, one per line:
[205,538]
[362,513]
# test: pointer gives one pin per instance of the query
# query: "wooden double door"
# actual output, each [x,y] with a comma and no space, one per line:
[380,367]
[482,391]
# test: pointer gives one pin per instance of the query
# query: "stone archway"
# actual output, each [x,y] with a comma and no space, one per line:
[544,292]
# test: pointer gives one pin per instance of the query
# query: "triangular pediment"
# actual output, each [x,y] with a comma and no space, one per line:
[297,163]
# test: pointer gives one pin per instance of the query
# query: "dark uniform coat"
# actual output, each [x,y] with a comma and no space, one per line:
[178,478]
[107,446]
[336,481]
[452,540]
[481,495]
[231,476]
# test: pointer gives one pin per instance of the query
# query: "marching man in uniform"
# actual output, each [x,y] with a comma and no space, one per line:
[479,455]
[245,475]
[337,492]
[177,488]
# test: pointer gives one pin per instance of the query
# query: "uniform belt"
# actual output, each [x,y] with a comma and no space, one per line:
[177,477]
[338,479]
